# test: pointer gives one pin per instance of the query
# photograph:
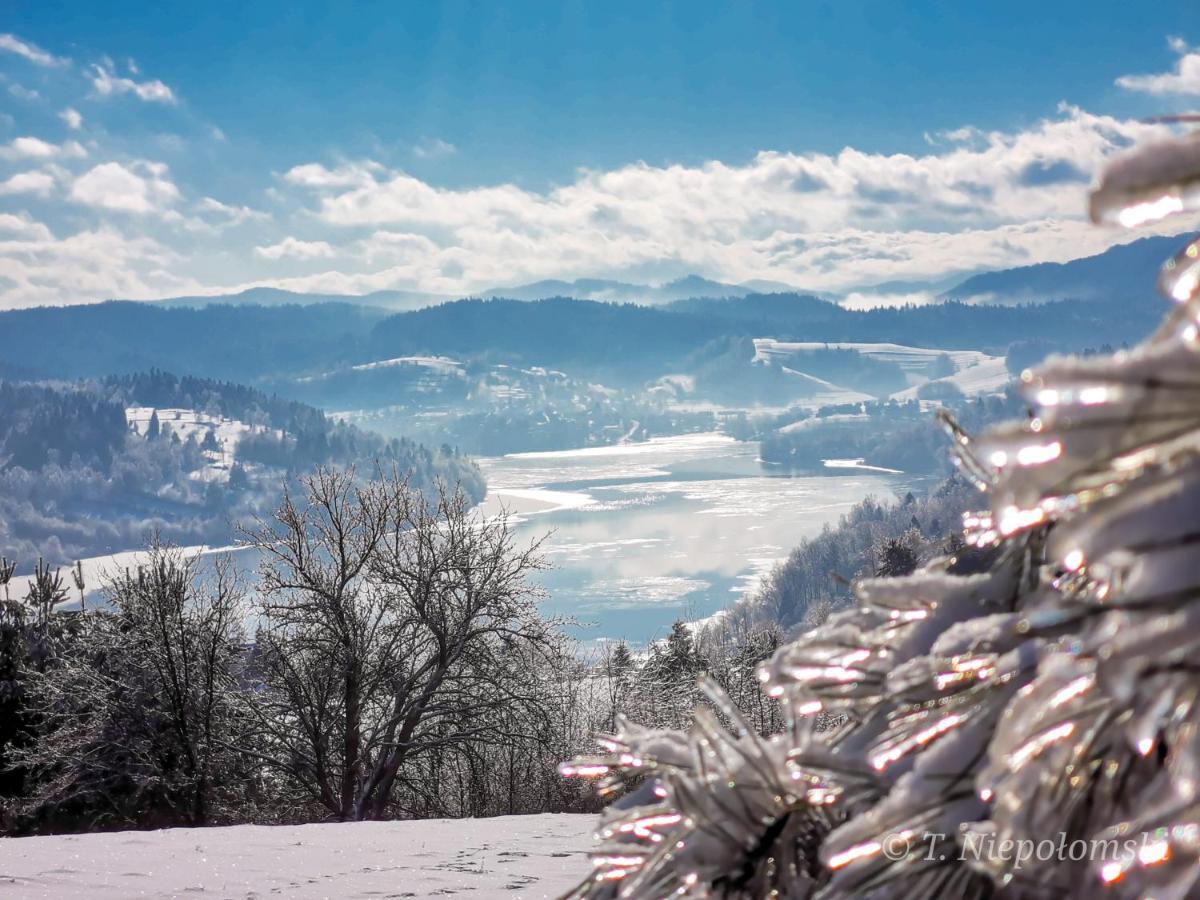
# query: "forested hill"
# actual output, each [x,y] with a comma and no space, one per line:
[94,467]
[1125,272]
[572,335]
[262,345]
[241,343]
[948,324]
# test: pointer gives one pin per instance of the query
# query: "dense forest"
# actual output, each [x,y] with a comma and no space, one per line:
[77,480]
[621,341]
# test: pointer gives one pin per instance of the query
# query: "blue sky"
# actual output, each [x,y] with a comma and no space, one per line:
[450,147]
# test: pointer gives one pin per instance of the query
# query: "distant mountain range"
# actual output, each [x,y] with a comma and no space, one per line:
[601,289]
[1126,271]
[686,288]
[392,301]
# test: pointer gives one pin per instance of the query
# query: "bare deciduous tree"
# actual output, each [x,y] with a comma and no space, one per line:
[137,709]
[392,625]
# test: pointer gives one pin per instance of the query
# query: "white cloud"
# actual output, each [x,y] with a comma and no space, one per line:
[233,215]
[315,175]
[292,248]
[40,183]
[36,267]
[108,83]
[142,187]
[1185,79]
[36,148]
[72,117]
[972,200]
[826,221]
[396,245]
[23,227]
[434,148]
[32,52]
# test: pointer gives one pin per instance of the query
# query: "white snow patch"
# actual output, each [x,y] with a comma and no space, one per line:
[535,500]
[859,464]
[824,421]
[675,444]
[914,360]
[508,856]
[443,364]
[989,376]
[190,423]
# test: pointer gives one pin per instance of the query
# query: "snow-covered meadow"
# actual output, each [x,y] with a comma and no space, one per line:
[510,856]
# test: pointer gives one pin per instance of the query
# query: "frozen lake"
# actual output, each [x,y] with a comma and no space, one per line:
[643,534]
[639,535]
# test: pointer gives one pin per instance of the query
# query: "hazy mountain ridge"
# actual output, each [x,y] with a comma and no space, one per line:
[391,301]
[1126,271]
[1122,270]
[614,291]
[253,343]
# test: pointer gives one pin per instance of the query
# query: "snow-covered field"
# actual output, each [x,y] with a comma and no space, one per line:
[914,360]
[977,372]
[510,856]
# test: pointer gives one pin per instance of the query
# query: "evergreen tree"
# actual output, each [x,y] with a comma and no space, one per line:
[1016,719]
[238,479]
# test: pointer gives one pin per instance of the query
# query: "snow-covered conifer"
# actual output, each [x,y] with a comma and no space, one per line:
[953,718]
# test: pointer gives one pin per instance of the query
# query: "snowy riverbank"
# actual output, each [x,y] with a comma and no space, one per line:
[510,856]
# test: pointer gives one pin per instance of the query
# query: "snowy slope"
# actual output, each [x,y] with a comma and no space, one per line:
[826,392]
[990,376]
[190,423]
[978,372]
[913,360]
[510,856]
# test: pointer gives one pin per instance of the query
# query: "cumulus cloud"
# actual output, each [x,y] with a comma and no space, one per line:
[1185,79]
[977,199]
[40,183]
[141,187]
[22,227]
[292,248]
[396,245]
[315,175]
[108,83]
[72,117]
[38,267]
[37,149]
[972,200]
[32,52]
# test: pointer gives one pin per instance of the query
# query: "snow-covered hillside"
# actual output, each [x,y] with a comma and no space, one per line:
[913,360]
[976,372]
[989,376]
[189,423]
[510,856]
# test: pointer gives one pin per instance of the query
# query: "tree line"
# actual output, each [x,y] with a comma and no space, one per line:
[388,660]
